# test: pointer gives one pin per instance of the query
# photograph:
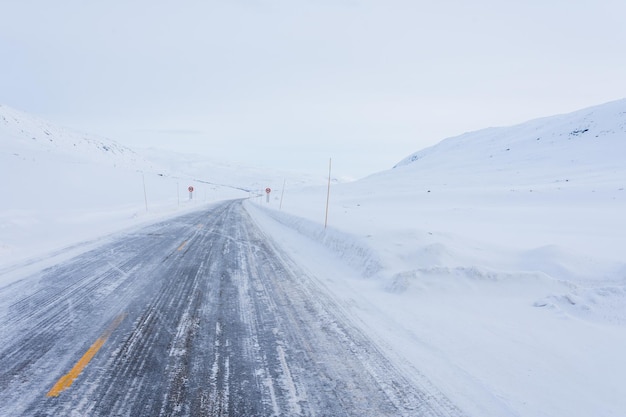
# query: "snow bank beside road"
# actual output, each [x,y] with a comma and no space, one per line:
[346,247]
[497,341]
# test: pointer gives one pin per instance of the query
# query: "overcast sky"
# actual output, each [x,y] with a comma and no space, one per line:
[290,83]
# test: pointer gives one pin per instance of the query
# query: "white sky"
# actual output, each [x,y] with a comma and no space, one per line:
[290,83]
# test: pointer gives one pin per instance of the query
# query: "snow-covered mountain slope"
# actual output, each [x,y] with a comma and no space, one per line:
[24,135]
[587,144]
[495,262]
[60,186]
[524,186]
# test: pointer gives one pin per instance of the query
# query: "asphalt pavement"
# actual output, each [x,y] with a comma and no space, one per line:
[200,315]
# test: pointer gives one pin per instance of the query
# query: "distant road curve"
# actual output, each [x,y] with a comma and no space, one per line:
[196,316]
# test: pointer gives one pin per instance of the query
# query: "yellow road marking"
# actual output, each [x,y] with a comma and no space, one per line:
[68,379]
[182,245]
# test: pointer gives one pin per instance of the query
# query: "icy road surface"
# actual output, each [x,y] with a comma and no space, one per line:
[196,316]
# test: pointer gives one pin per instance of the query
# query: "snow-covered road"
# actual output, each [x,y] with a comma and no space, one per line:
[200,315]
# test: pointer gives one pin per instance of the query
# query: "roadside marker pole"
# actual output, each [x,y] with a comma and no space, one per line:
[330,161]
[145,196]
[282,192]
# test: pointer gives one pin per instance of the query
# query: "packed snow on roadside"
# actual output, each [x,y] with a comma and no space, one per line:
[492,264]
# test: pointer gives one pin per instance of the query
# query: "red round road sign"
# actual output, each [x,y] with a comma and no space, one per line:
[268,190]
[190,189]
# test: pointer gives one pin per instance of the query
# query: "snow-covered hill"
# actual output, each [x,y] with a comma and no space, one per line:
[60,186]
[587,144]
[26,136]
[495,262]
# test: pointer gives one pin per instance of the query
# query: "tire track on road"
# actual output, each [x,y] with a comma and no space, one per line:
[220,322]
[69,303]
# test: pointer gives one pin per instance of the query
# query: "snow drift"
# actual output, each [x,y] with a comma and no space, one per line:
[500,268]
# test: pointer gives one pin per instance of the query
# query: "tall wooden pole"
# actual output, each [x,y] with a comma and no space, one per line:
[330,162]
[282,193]
[145,196]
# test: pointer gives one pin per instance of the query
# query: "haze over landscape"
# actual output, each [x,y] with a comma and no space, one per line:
[171,243]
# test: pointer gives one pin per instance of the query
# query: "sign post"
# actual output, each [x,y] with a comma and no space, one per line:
[268,190]
[190,192]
